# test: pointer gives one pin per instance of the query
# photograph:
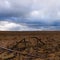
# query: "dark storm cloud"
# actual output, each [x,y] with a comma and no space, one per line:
[14,8]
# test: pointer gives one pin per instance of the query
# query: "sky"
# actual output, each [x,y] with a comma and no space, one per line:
[29,15]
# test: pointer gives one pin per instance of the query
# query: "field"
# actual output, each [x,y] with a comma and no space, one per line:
[29,45]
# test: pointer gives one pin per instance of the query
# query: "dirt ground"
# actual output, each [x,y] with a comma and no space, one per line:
[30,45]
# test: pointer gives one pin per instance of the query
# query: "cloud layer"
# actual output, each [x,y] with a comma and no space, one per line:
[35,14]
[9,26]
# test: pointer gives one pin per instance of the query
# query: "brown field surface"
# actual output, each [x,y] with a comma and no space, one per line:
[30,45]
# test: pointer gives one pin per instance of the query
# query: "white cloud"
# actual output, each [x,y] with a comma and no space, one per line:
[5,25]
[47,9]
[38,14]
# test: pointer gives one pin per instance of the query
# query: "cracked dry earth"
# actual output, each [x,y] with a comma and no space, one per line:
[30,45]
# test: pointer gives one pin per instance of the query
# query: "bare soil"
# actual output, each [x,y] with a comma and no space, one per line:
[29,45]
